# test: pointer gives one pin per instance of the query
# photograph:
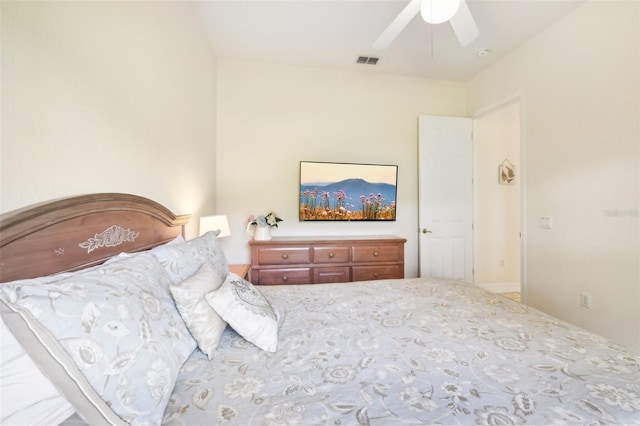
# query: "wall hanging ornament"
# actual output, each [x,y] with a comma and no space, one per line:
[506,173]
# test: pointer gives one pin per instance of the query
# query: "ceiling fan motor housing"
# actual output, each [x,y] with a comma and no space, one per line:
[438,11]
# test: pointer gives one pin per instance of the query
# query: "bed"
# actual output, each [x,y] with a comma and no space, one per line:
[110,338]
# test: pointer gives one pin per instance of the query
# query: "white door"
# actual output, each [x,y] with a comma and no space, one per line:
[445,158]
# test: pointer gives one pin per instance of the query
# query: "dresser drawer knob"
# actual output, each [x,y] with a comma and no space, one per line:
[375,274]
[331,255]
[285,256]
[285,278]
[375,253]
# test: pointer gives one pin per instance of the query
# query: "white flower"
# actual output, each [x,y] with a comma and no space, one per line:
[85,352]
[158,380]
[392,322]
[243,387]
[90,316]
[203,396]
[451,388]
[609,365]
[417,400]
[501,373]
[615,396]
[271,219]
[286,413]
[523,403]
[226,413]
[339,374]
[439,355]
[120,363]
[491,415]
[510,344]
[124,392]
[150,304]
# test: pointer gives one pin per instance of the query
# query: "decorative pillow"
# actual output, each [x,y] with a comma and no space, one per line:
[184,259]
[202,321]
[110,339]
[28,397]
[247,311]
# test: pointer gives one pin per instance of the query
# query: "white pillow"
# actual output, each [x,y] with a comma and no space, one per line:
[203,322]
[22,384]
[124,255]
[247,311]
[27,397]
[111,339]
[184,259]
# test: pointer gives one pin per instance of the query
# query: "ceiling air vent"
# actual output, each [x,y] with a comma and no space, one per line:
[367,60]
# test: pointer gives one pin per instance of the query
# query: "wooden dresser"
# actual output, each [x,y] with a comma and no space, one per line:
[316,260]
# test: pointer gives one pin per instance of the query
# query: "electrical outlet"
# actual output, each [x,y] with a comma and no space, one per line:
[546,222]
[585,300]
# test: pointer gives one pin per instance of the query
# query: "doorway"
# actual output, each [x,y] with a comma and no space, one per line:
[497,191]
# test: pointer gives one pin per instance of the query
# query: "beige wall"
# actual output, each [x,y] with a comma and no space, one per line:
[496,137]
[272,117]
[579,84]
[107,97]
[121,96]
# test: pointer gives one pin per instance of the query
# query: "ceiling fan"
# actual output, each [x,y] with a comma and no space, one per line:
[433,12]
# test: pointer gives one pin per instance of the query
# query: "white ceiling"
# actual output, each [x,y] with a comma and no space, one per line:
[333,33]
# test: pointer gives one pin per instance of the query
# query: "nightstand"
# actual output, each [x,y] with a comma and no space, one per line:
[240,269]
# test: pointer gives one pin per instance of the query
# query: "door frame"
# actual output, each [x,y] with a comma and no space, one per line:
[522,175]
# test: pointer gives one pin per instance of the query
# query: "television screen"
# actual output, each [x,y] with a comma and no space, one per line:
[347,191]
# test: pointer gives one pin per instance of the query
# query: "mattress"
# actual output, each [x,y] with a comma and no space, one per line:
[412,351]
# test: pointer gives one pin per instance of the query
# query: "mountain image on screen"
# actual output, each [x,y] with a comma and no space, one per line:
[349,199]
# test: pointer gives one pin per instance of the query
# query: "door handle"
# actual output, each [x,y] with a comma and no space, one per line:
[426,231]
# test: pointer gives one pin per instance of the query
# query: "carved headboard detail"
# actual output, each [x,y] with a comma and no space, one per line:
[77,232]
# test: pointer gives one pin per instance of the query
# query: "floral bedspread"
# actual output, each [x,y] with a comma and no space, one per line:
[414,351]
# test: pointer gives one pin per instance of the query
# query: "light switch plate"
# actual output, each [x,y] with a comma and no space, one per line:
[546,222]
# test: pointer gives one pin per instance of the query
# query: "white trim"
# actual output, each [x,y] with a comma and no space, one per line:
[514,97]
[501,287]
[522,175]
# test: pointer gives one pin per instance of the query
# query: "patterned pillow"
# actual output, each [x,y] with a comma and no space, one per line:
[28,397]
[110,339]
[183,259]
[247,311]
[202,321]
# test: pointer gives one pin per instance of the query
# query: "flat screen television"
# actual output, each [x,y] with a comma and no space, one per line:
[347,191]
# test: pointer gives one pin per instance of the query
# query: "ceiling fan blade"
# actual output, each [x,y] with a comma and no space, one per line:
[397,25]
[464,25]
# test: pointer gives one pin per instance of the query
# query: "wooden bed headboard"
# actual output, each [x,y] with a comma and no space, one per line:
[77,232]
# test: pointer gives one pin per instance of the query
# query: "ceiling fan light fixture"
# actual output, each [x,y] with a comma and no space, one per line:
[438,11]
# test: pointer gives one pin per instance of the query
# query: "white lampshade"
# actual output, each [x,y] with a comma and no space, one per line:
[215,223]
[438,11]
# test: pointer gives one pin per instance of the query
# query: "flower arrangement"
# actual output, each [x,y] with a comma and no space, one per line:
[270,220]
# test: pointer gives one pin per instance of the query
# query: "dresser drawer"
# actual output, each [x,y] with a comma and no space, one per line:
[327,259]
[379,253]
[366,273]
[335,254]
[284,276]
[284,255]
[334,274]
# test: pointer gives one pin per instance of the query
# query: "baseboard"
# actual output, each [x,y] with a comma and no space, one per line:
[501,287]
